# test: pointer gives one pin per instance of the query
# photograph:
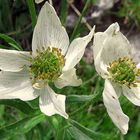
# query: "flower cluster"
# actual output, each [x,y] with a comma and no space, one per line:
[27,75]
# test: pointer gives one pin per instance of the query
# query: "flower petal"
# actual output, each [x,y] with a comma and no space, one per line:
[51,103]
[49,31]
[38,1]
[76,50]
[11,60]
[100,37]
[133,94]
[68,78]
[98,41]
[16,85]
[113,107]
[114,45]
[100,66]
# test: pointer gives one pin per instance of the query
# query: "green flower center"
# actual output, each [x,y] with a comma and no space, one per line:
[47,65]
[124,71]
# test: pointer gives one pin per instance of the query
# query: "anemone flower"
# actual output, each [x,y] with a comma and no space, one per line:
[26,75]
[115,63]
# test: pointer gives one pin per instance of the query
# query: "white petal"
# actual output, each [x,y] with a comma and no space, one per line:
[113,29]
[51,103]
[11,60]
[114,45]
[38,1]
[98,41]
[68,78]
[100,37]
[113,107]
[49,31]
[76,50]
[117,88]
[133,94]
[16,85]
[100,66]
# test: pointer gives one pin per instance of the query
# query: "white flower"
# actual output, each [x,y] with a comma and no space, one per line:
[26,76]
[115,63]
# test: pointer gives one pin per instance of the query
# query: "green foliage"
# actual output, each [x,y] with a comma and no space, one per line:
[32,10]
[10,41]
[64,11]
[130,10]
[20,127]
[88,119]
[20,105]
[80,132]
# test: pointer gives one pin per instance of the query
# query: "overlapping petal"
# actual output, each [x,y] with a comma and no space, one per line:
[113,107]
[113,46]
[12,60]
[49,31]
[51,103]
[16,85]
[68,78]
[76,50]
[113,42]
[132,94]
[100,38]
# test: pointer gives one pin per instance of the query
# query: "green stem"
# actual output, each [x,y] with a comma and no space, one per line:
[32,11]
[79,21]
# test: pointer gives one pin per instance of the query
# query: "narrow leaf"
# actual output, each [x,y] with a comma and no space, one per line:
[64,11]
[77,134]
[10,41]
[3,46]
[32,11]
[20,105]
[79,98]
[91,134]
[20,127]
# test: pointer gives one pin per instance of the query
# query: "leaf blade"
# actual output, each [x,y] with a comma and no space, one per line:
[11,41]
[21,127]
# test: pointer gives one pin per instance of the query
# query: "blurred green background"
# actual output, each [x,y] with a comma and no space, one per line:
[88,117]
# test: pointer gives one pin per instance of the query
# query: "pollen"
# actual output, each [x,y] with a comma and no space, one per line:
[124,71]
[47,65]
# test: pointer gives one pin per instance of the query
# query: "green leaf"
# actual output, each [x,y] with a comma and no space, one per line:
[79,129]
[10,41]
[21,127]
[64,11]
[20,105]
[32,10]
[77,134]
[3,46]
[79,98]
